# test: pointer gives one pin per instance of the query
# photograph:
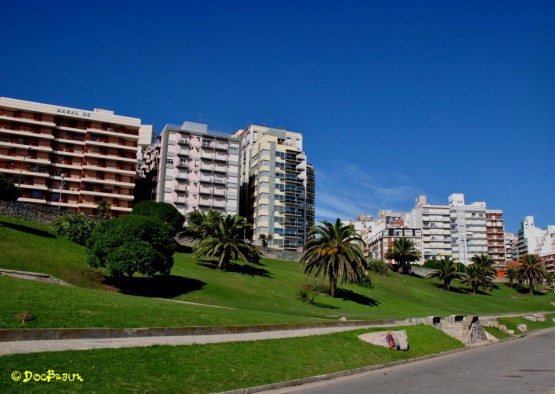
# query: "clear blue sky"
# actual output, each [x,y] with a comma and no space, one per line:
[394,98]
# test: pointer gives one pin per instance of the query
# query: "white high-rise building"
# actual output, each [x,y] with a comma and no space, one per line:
[435,222]
[274,181]
[468,228]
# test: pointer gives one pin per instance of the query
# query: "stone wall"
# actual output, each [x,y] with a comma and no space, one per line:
[31,212]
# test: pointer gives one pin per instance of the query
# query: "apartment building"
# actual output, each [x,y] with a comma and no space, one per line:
[276,185]
[70,158]
[194,168]
[435,222]
[388,227]
[510,240]
[468,228]
[534,240]
[495,235]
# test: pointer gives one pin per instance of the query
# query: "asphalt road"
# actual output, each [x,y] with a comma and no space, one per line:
[524,365]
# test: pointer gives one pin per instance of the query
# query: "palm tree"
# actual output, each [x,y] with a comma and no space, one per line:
[510,273]
[487,268]
[404,252]
[473,277]
[334,250]
[200,223]
[531,269]
[103,207]
[447,270]
[224,241]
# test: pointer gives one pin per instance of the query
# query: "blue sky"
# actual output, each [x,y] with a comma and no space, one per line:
[394,98]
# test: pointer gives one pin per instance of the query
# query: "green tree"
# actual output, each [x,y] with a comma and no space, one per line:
[76,227]
[446,271]
[487,268]
[8,191]
[160,210]
[531,269]
[130,244]
[334,250]
[225,241]
[403,251]
[473,277]
[510,273]
[103,208]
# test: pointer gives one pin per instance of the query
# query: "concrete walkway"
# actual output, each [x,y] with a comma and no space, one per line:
[17,347]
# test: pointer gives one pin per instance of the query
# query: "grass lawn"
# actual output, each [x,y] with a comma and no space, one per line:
[264,293]
[216,367]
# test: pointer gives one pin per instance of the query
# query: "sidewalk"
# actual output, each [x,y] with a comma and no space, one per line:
[34,346]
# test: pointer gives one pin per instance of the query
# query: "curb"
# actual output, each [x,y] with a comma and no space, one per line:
[31,334]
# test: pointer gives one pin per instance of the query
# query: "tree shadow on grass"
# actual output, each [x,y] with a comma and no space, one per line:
[159,286]
[243,269]
[325,306]
[30,230]
[349,295]
[452,289]
[525,290]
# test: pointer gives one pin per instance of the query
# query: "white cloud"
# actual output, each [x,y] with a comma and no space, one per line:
[344,190]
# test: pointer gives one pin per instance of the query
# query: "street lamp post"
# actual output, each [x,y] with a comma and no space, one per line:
[61,191]
[22,165]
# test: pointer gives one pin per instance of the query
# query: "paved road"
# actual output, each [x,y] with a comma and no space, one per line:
[15,347]
[524,365]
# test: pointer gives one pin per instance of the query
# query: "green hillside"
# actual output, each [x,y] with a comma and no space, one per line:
[251,294]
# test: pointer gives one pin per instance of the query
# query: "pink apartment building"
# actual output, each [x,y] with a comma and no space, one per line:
[194,169]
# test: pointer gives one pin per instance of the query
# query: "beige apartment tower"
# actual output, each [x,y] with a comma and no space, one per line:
[276,186]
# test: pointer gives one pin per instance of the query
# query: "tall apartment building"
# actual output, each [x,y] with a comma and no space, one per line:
[495,234]
[534,240]
[70,158]
[468,228]
[435,222]
[529,237]
[276,185]
[195,169]
[510,247]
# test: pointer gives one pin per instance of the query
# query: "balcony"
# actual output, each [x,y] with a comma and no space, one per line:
[115,132]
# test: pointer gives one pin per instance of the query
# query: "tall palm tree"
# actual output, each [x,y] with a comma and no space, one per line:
[225,241]
[487,268]
[531,269]
[334,250]
[404,252]
[473,277]
[447,270]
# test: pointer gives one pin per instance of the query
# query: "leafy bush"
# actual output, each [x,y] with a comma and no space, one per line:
[309,289]
[432,264]
[378,266]
[76,227]
[162,211]
[132,244]
[365,281]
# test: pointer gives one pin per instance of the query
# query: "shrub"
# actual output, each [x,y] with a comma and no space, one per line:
[309,289]
[132,244]
[378,266]
[162,211]
[76,227]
